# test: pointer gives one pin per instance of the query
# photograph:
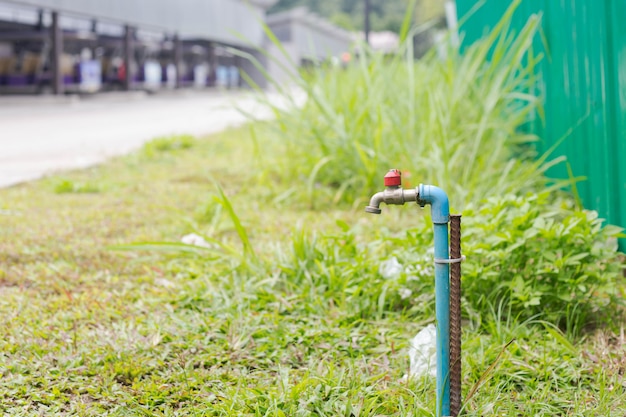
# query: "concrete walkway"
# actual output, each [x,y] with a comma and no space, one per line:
[41,135]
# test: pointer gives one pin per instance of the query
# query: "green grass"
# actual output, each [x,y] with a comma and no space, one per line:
[285,313]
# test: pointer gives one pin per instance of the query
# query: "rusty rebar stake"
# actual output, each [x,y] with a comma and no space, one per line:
[455,315]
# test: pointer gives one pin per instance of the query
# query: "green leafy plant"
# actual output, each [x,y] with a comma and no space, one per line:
[535,258]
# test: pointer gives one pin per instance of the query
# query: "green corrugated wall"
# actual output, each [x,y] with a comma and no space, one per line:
[583,82]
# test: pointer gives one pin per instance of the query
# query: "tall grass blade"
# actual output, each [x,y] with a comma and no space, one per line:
[241,231]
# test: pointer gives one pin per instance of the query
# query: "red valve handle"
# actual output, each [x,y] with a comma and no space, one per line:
[393,178]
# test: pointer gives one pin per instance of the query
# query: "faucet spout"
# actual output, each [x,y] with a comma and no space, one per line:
[374,206]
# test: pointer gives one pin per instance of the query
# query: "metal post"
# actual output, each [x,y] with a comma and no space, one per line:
[366,25]
[238,66]
[455,315]
[40,14]
[128,57]
[212,65]
[178,59]
[57,51]
[94,46]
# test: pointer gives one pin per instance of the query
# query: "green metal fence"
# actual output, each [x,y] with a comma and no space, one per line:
[583,84]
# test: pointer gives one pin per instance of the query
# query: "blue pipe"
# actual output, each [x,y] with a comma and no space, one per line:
[440,213]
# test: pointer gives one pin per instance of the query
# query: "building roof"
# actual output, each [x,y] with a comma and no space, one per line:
[235,22]
[304,16]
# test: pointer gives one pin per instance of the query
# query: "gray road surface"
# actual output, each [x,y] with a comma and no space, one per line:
[41,135]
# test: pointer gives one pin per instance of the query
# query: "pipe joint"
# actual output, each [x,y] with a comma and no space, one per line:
[438,199]
[398,196]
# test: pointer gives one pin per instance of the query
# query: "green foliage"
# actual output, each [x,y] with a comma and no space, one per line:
[534,371]
[349,14]
[168,144]
[336,270]
[65,186]
[528,258]
[342,20]
[532,258]
[453,122]
[429,9]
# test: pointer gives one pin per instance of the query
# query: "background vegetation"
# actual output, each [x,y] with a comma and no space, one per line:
[447,119]
[349,14]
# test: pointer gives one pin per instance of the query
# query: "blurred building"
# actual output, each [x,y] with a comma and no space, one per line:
[305,40]
[85,46]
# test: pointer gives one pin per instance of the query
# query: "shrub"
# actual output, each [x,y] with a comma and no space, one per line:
[532,258]
[528,258]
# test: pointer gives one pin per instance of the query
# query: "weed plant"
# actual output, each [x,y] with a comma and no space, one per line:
[537,258]
[448,119]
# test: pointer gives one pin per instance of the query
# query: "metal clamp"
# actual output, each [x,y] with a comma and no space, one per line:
[450,261]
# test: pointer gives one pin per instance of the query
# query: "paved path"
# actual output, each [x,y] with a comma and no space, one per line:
[40,135]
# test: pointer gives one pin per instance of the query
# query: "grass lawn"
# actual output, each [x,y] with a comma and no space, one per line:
[284,314]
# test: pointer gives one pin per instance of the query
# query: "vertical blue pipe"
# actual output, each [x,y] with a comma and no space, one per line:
[442,312]
[437,198]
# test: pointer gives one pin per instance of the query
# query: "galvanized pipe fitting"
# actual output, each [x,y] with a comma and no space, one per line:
[391,195]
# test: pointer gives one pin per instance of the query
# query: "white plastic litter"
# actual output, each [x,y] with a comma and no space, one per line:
[423,352]
[196,240]
[405,293]
[390,269]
